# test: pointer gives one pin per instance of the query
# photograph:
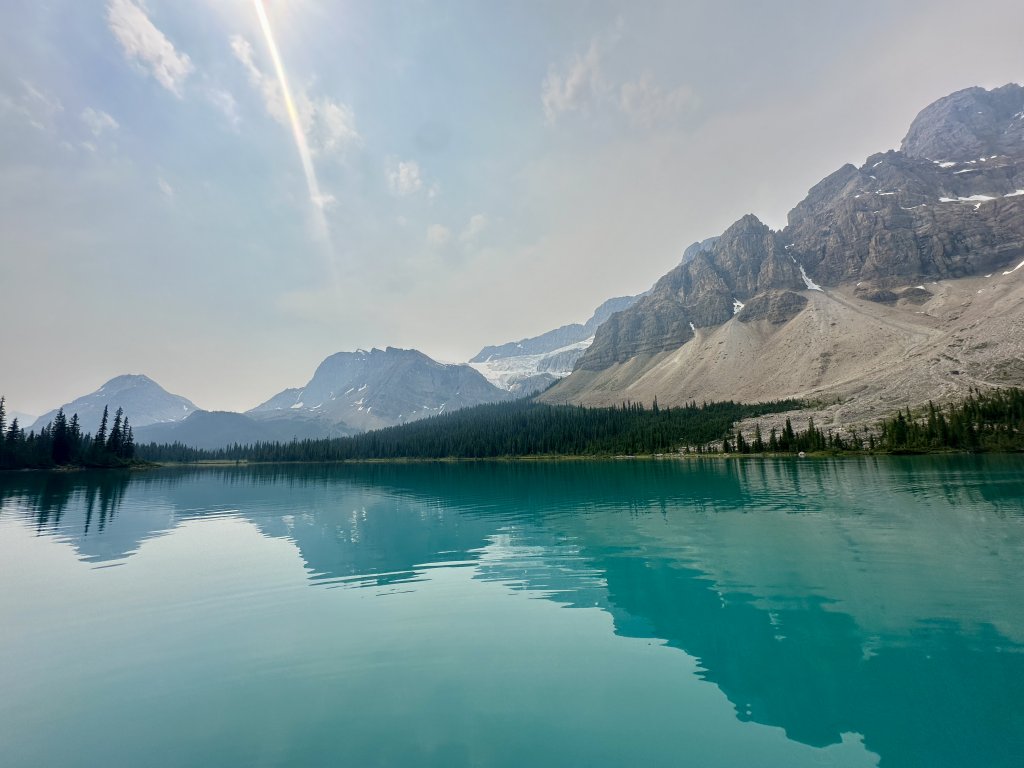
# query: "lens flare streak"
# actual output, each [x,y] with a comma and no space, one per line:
[305,156]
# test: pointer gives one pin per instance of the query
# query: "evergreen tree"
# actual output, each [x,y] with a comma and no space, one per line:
[758,445]
[115,440]
[128,446]
[741,443]
[100,441]
[13,448]
[788,440]
[61,446]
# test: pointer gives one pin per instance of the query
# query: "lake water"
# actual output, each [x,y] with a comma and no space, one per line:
[653,613]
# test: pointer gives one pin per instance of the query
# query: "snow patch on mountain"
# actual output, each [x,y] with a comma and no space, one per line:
[509,372]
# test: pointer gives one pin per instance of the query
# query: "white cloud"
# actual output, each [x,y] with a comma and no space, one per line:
[324,201]
[329,126]
[39,109]
[647,103]
[583,86]
[98,121]
[225,103]
[574,88]
[141,40]
[165,188]
[438,234]
[477,224]
[404,177]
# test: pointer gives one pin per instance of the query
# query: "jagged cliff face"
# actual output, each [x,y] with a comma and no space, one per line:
[968,124]
[706,290]
[898,218]
[949,204]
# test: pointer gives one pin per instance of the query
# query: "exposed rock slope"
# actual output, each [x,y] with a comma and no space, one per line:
[873,358]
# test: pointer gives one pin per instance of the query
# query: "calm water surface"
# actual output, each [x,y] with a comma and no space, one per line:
[705,613]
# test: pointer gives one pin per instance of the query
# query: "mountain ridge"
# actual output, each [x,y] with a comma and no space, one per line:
[862,242]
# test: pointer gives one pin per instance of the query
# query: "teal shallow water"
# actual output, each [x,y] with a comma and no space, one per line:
[707,613]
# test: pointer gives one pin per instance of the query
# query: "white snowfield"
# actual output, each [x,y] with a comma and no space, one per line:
[979,198]
[1011,271]
[811,285]
[506,372]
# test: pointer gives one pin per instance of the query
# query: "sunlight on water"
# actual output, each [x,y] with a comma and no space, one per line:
[723,613]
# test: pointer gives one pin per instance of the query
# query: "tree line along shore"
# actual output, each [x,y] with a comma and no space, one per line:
[983,421]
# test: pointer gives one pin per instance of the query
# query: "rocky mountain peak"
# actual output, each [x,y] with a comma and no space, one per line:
[694,248]
[143,400]
[968,125]
[367,390]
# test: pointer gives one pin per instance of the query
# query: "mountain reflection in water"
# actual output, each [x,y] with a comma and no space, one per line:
[878,597]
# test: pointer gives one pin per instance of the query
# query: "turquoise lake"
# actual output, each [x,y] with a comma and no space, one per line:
[855,612]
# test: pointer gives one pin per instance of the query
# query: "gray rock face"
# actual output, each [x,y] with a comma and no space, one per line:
[707,290]
[694,248]
[777,307]
[368,390]
[143,400]
[898,219]
[968,124]
[949,204]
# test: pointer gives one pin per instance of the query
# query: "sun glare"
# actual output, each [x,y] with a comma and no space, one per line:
[316,197]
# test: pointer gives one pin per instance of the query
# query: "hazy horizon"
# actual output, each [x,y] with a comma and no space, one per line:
[449,175]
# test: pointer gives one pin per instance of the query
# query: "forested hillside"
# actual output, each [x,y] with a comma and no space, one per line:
[518,428]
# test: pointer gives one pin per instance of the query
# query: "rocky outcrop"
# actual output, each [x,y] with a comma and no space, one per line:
[694,248]
[705,291]
[777,307]
[968,124]
[898,218]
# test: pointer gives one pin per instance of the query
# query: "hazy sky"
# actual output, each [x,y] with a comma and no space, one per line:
[472,172]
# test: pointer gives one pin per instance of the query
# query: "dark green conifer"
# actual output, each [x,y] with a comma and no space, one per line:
[100,441]
[758,445]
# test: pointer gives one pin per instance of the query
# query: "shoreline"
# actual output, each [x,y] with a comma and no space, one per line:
[547,458]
